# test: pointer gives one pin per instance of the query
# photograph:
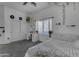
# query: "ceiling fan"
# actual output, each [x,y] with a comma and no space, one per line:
[32,3]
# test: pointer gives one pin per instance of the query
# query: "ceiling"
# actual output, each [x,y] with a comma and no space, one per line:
[29,8]
[26,8]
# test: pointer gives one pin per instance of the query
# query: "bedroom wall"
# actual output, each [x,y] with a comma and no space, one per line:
[1,19]
[53,11]
[71,17]
[15,29]
[1,16]
[2,23]
[72,14]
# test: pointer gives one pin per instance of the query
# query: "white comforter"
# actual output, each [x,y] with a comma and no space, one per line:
[52,48]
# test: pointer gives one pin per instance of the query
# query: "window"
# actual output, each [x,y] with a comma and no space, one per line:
[40,26]
[50,24]
[44,26]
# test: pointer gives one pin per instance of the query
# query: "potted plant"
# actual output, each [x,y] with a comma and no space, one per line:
[28,19]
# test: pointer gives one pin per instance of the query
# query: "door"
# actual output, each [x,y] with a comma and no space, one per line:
[15,30]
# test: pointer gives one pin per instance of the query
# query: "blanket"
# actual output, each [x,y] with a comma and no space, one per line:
[53,48]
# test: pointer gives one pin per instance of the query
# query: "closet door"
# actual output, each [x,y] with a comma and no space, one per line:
[15,30]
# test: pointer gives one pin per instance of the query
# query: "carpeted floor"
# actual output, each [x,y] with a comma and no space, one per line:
[16,49]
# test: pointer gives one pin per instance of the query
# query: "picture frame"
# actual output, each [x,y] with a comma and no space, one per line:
[12,16]
[20,18]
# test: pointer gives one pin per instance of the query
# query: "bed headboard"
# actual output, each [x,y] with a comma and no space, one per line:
[65,37]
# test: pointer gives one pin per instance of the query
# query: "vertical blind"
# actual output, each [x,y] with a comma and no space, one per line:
[44,26]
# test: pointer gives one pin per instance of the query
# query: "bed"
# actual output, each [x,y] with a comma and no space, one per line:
[60,45]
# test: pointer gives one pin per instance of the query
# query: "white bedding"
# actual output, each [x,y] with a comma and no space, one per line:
[53,48]
[64,43]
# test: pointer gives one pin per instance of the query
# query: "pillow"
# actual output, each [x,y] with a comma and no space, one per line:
[66,37]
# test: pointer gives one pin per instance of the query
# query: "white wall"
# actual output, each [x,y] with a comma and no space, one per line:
[71,16]
[53,11]
[1,19]
[1,16]
[12,26]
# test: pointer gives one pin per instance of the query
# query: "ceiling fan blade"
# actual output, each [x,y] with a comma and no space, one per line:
[25,3]
[33,3]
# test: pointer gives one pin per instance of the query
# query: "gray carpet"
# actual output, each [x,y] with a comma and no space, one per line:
[16,49]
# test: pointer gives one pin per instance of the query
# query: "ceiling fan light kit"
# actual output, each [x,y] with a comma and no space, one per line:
[32,3]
